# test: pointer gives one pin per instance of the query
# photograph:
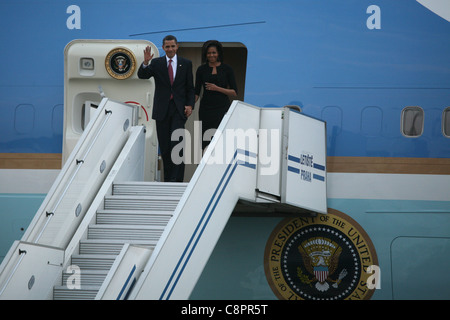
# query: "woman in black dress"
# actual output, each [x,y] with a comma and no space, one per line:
[219,85]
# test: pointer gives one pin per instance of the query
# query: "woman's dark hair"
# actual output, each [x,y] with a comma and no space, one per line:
[212,43]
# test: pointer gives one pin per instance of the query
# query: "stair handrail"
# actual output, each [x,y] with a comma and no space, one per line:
[79,163]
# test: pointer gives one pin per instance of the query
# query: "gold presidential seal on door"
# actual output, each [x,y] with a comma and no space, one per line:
[326,257]
[120,63]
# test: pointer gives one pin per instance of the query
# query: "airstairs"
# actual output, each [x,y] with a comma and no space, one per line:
[136,213]
[104,233]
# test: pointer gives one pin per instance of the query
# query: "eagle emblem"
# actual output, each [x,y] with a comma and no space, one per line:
[321,260]
[120,63]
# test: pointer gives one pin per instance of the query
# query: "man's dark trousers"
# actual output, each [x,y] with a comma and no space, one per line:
[173,172]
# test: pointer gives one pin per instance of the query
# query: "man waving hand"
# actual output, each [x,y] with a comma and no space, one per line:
[173,101]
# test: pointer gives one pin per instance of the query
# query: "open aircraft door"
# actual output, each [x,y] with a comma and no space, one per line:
[97,68]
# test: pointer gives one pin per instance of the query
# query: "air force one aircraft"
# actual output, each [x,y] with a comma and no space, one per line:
[374,73]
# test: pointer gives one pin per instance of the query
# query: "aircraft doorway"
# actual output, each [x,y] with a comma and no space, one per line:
[235,55]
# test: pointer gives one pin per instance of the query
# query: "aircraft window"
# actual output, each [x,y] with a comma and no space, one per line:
[371,121]
[446,122]
[412,121]
[24,118]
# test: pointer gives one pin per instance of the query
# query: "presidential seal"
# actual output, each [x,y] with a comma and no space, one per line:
[325,257]
[120,63]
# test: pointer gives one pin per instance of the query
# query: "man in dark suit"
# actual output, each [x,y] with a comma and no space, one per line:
[173,101]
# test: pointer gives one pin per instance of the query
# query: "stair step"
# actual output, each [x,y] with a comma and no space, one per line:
[136,202]
[108,246]
[93,261]
[84,293]
[149,188]
[87,277]
[128,232]
[123,217]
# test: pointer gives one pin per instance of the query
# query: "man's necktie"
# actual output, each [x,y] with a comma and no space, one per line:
[171,76]
[170,72]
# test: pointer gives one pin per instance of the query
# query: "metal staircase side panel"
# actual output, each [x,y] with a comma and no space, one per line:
[129,165]
[226,173]
[82,175]
[32,268]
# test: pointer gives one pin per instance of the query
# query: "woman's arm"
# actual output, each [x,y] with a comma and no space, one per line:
[212,87]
